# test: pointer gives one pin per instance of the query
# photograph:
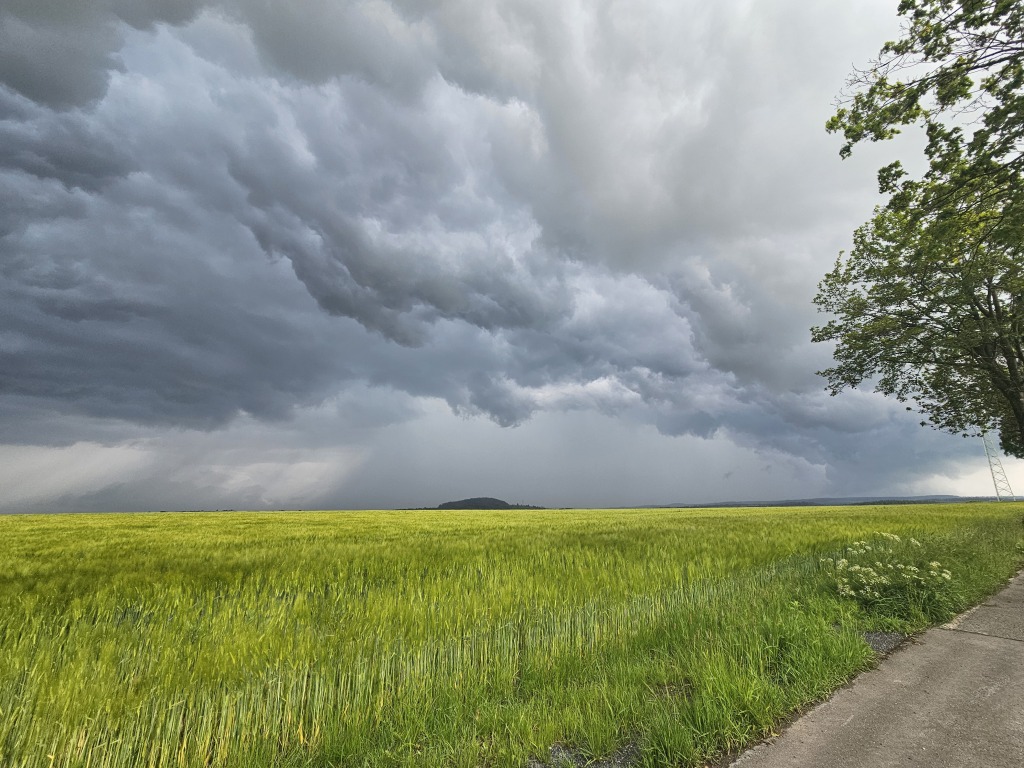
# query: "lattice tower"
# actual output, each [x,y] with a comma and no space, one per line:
[995,465]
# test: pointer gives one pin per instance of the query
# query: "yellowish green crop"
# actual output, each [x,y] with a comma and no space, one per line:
[439,638]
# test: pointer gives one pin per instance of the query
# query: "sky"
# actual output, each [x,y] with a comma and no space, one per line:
[391,253]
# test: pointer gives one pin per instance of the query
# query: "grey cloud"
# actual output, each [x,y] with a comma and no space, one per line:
[322,40]
[74,69]
[61,53]
[117,314]
[651,131]
[67,148]
[238,210]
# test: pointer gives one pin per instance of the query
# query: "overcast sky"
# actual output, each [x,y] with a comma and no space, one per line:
[392,253]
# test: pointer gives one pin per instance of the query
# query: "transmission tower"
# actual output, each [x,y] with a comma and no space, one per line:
[1003,490]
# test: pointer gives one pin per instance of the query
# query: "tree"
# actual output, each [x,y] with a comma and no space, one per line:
[931,298]
[934,308]
[958,71]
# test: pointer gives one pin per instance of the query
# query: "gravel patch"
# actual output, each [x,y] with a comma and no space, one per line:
[884,643]
[562,756]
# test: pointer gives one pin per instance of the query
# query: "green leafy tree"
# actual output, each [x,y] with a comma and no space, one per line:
[929,303]
[958,71]
[934,308]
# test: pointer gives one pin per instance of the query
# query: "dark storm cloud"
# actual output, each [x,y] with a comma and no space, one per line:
[387,213]
[60,53]
[66,148]
[225,210]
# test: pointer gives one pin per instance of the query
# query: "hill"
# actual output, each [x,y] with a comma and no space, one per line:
[843,501]
[483,502]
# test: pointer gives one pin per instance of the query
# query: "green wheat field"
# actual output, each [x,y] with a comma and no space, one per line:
[448,638]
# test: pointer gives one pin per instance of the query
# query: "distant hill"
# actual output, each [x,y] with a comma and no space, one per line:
[841,501]
[483,502]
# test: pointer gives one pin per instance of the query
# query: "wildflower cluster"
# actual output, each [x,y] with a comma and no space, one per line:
[888,576]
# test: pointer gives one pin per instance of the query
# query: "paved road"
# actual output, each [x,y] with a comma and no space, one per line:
[952,698]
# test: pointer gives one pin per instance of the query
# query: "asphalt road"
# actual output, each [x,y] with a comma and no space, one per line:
[952,697]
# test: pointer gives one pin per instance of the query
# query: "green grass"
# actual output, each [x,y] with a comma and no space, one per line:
[442,638]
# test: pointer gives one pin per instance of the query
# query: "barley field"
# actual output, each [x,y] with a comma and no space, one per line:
[446,638]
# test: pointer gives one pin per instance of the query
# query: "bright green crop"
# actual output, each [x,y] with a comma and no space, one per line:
[436,638]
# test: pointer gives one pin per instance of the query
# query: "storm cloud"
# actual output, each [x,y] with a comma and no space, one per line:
[268,245]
